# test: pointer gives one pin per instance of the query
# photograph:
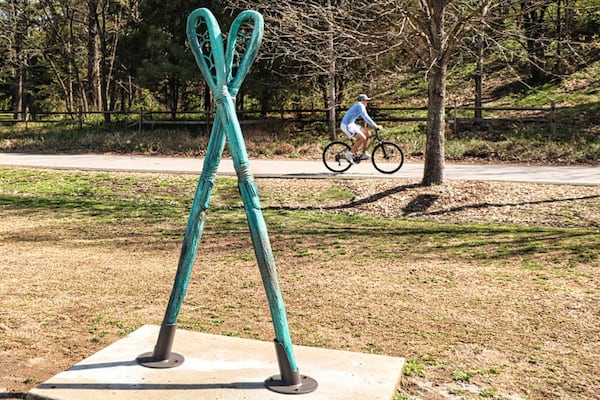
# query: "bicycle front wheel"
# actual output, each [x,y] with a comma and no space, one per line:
[334,157]
[387,157]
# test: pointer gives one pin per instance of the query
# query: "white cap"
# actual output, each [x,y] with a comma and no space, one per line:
[363,97]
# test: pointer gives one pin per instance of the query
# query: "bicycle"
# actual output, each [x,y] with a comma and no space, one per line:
[387,157]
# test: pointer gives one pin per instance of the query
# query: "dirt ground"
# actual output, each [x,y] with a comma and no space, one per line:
[68,291]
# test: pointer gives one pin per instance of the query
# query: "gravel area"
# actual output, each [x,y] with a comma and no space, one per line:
[462,201]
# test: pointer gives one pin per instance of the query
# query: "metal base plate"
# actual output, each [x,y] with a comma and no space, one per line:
[306,385]
[148,360]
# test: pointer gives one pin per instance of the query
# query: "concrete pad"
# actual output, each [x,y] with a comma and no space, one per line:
[218,368]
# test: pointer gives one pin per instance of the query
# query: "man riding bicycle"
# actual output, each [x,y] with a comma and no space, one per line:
[355,131]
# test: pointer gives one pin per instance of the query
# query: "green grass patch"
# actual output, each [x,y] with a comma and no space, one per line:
[413,368]
[158,205]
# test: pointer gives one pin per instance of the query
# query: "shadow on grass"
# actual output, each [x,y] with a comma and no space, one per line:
[367,200]
[155,220]
[14,395]
[524,203]
[89,207]
[422,202]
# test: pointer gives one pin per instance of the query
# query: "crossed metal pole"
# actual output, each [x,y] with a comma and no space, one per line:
[224,71]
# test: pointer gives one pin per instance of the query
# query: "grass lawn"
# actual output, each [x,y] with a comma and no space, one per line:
[480,310]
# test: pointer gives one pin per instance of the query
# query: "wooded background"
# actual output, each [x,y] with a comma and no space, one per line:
[127,55]
[121,55]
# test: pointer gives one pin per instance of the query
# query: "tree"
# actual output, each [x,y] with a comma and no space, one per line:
[533,17]
[96,54]
[155,49]
[103,39]
[439,26]
[93,58]
[316,40]
[64,50]
[325,43]
[15,36]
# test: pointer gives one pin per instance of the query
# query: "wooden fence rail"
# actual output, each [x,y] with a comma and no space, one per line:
[455,116]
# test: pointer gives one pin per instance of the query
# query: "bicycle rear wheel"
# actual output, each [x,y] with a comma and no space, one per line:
[387,157]
[334,157]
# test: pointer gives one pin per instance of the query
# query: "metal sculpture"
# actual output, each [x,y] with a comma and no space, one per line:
[224,71]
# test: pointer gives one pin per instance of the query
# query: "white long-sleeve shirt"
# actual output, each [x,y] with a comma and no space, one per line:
[358,110]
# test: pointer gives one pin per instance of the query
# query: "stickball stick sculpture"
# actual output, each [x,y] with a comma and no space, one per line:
[224,70]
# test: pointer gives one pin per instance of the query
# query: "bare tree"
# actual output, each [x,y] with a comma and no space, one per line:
[78,42]
[326,42]
[63,48]
[440,26]
[110,22]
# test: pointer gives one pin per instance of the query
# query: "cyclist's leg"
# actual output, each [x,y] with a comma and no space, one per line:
[362,142]
[350,131]
[355,133]
[359,143]
[367,133]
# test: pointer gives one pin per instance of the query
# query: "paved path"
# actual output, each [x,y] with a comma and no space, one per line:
[302,169]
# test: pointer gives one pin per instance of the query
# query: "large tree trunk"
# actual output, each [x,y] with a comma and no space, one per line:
[434,147]
[433,173]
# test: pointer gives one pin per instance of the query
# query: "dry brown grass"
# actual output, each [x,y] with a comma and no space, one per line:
[510,326]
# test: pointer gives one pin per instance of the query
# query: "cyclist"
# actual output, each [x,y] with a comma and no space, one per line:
[353,130]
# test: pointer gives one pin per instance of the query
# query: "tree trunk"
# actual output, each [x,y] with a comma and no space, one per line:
[479,72]
[105,80]
[174,97]
[434,147]
[433,173]
[534,32]
[332,71]
[20,60]
[19,92]
[331,110]
[479,81]
[93,64]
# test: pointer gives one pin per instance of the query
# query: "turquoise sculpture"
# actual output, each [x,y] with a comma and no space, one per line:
[224,70]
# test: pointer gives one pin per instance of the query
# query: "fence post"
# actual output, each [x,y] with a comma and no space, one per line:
[80,117]
[553,118]
[140,121]
[207,127]
[455,117]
